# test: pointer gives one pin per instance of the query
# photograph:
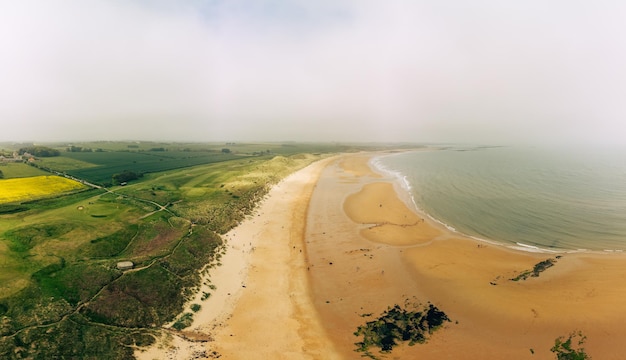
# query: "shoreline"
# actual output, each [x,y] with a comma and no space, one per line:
[340,244]
[404,192]
[469,279]
[261,282]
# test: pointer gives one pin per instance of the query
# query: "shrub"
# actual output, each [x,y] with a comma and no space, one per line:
[184,321]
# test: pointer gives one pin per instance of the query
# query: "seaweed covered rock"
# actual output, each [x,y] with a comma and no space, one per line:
[537,269]
[399,324]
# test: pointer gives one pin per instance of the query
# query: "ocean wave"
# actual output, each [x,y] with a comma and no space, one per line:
[376,163]
[403,181]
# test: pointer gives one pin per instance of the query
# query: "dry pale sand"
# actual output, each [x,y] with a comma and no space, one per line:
[338,240]
[261,306]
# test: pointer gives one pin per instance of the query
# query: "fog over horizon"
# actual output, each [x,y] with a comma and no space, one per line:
[485,71]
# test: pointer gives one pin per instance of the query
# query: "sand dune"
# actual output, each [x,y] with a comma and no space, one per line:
[260,307]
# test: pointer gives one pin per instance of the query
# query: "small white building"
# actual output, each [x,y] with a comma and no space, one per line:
[125,265]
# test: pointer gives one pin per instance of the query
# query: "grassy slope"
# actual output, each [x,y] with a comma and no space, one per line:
[58,281]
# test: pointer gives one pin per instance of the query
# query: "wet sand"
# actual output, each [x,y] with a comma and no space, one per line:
[384,253]
[337,240]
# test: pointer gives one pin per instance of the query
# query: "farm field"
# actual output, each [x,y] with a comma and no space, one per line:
[110,163]
[19,170]
[61,294]
[97,162]
[36,187]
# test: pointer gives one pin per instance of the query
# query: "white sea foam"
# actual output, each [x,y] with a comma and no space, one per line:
[401,179]
[532,248]
[405,184]
[528,246]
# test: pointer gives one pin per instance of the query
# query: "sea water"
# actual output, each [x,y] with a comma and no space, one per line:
[530,198]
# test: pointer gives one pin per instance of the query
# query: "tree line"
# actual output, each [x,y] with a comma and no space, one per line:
[40,151]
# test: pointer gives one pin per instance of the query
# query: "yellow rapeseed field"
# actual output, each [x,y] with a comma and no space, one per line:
[36,187]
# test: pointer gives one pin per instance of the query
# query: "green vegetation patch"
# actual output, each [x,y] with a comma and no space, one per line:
[125,176]
[41,151]
[65,200]
[32,306]
[11,208]
[54,291]
[155,238]
[111,245]
[398,324]
[184,321]
[75,283]
[73,338]
[20,170]
[232,189]
[25,238]
[147,297]
[193,253]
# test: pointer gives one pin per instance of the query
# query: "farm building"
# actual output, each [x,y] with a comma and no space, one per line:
[15,158]
[125,265]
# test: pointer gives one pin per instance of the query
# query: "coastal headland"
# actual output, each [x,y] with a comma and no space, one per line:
[336,244]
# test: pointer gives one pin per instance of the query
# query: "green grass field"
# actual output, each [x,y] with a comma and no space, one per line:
[19,170]
[64,163]
[61,295]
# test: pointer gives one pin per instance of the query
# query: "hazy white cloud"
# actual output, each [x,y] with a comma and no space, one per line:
[450,70]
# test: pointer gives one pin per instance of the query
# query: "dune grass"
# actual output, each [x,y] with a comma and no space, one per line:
[58,280]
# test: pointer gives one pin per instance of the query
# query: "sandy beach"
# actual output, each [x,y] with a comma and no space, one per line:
[260,305]
[384,253]
[338,240]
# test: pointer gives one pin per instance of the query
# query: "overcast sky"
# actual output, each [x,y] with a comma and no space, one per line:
[483,71]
